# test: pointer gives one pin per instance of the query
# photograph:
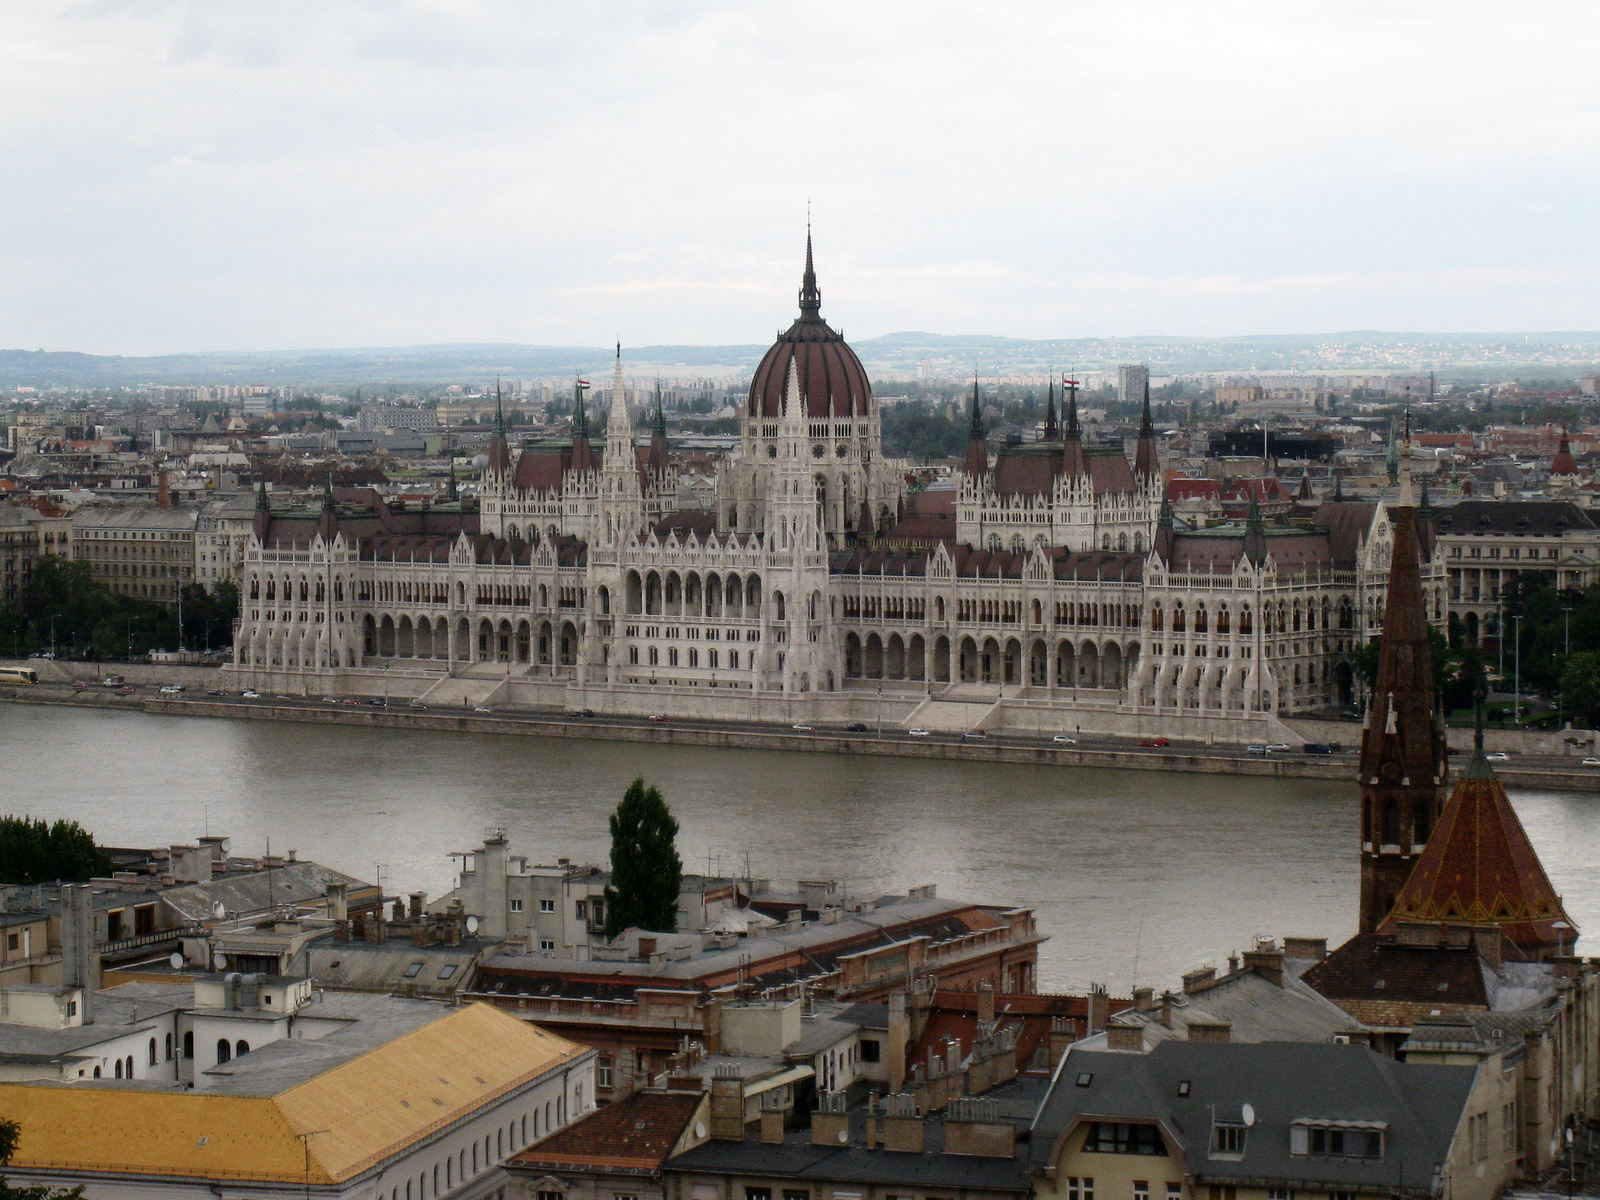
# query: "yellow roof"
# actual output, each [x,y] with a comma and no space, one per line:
[371,1107]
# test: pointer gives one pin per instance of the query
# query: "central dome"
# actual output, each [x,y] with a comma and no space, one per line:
[832,379]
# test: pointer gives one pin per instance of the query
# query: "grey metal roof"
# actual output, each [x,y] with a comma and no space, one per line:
[1283,1082]
[1257,1010]
[116,1014]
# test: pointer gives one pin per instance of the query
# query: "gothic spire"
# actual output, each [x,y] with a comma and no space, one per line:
[975,425]
[263,505]
[499,412]
[1146,463]
[977,448]
[450,490]
[580,418]
[1146,428]
[1071,386]
[810,296]
[1050,430]
[659,427]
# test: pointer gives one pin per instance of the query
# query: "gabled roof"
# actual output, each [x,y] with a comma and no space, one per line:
[1540,518]
[1386,982]
[1347,523]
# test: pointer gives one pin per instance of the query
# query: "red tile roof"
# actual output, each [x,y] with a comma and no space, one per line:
[639,1134]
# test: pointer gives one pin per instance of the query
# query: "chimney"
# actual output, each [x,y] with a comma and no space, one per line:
[727,1105]
[1125,1037]
[985,1004]
[1305,949]
[1266,960]
[1166,1009]
[899,1035]
[418,899]
[647,948]
[1199,980]
[80,962]
[163,492]
[829,1128]
[338,902]
[1099,1007]
[902,1128]
[1210,1031]
[1144,999]
[1061,1036]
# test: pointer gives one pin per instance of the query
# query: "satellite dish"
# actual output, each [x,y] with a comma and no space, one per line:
[175,961]
[219,910]
[472,924]
[844,1137]
[1248,1112]
[700,1129]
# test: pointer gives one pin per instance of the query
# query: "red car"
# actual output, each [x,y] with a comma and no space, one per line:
[659,718]
[1156,741]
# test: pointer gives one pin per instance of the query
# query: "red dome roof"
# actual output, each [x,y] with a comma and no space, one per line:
[832,379]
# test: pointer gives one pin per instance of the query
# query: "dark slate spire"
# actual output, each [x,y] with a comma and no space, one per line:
[580,418]
[810,296]
[1072,462]
[1071,386]
[262,503]
[1146,463]
[658,427]
[977,448]
[1252,516]
[1050,430]
[451,492]
[499,412]
[327,494]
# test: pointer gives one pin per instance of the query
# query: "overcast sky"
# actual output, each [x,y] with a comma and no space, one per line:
[231,175]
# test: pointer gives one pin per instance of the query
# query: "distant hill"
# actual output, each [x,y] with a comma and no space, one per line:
[1491,354]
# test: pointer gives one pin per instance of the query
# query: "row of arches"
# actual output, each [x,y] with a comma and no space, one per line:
[542,643]
[1087,664]
[692,594]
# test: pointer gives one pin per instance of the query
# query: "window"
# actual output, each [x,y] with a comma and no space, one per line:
[870,1050]
[1508,1126]
[796,1194]
[1175,1190]
[602,1071]
[1335,1142]
[1080,1189]
[623,1196]
[1227,1139]
[1121,1137]
[412,970]
[153,1052]
[516,906]
[13,941]
[446,971]
[1141,1189]
[224,1051]
[547,943]
[751,1193]
[1280,1193]
[548,906]
[188,1044]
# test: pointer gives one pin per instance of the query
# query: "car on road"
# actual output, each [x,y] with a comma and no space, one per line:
[1591,762]
[50,654]
[917,732]
[855,727]
[1255,748]
[79,686]
[111,681]
[172,689]
[660,718]
[584,712]
[1154,743]
[330,700]
[126,690]
[1498,756]
[250,694]
[483,708]
[378,701]
[1278,747]
[1062,739]
[801,728]
[974,733]
[416,704]
[352,702]
[216,692]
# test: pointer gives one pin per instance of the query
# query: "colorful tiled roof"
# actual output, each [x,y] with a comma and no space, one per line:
[638,1133]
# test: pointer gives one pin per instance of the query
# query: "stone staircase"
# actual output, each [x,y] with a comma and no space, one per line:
[466,691]
[955,710]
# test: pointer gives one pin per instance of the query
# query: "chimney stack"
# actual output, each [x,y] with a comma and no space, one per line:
[899,1035]
[163,493]
[80,962]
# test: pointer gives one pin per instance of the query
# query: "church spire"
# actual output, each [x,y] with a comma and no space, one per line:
[1050,430]
[1402,766]
[658,427]
[499,412]
[1072,461]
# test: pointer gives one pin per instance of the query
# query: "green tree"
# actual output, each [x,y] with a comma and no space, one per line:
[32,851]
[10,1135]
[1580,687]
[646,871]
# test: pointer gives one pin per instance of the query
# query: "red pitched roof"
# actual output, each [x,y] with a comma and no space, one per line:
[1480,868]
[638,1133]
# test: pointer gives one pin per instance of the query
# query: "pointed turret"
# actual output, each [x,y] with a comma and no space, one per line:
[1255,529]
[262,521]
[1072,461]
[328,519]
[658,436]
[451,492]
[619,431]
[582,452]
[1564,463]
[977,448]
[1050,430]
[1480,868]
[810,295]
[1305,492]
[1402,767]
[1391,457]
[499,448]
[1146,463]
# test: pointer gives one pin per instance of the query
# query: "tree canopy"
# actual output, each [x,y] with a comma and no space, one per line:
[646,871]
[33,851]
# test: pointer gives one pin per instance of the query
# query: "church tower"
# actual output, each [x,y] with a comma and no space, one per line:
[1402,769]
[621,494]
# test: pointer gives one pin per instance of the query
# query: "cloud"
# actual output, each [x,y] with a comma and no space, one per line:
[192,176]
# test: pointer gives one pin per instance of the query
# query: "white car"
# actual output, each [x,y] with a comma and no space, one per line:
[250,694]
[172,689]
[1063,740]
[482,709]
[1278,747]
[330,700]
[1591,762]
[416,704]
[917,732]
[1498,756]
[801,728]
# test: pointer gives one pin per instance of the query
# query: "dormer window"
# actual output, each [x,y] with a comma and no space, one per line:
[1227,1140]
[1337,1139]
[1121,1137]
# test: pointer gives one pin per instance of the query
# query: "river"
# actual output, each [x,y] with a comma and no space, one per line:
[1136,876]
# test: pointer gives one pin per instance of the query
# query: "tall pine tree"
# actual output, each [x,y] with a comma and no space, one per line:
[646,871]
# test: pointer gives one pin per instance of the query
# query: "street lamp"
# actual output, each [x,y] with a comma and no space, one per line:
[1516,686]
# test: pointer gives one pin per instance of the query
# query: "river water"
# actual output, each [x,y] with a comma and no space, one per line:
[1136,876]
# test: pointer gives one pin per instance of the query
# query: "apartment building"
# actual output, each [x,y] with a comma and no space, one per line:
[144,552]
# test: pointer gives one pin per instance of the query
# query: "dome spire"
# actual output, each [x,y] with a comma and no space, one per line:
[810,297]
